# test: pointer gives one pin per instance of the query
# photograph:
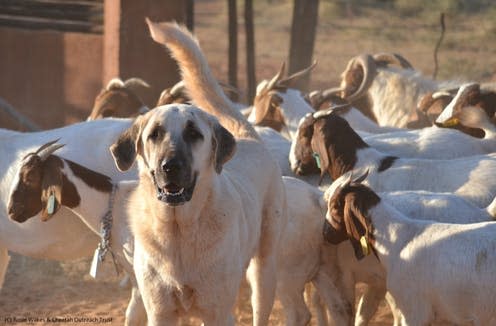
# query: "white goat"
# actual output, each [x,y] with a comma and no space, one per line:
[280,107]
[66,238]
[421,205]
[391,93]
[471,108]
[435,272]
[88,194]
[340,149]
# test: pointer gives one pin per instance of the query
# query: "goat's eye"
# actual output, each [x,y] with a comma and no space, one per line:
[191,133]
[155,134]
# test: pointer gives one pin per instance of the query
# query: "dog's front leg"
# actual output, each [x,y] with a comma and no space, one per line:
[262,278]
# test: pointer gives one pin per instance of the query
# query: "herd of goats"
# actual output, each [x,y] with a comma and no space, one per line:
[388,180]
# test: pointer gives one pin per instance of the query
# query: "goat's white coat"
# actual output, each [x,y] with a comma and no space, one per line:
[435,271]
[470,177]
[63,237]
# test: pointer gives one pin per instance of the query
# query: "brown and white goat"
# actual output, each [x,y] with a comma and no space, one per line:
[385,93]
[277,105]
[340,149]
[472,110]
[119,99]
[435,272]
[46,182]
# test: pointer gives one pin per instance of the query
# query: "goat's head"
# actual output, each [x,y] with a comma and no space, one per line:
[429,107]
[324,142]
[347,215]
[461,112]
[269,101]
[176,94]
[119,99]
[359,75]
[38,186]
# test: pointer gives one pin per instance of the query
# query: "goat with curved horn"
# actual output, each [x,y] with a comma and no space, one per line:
[393,58]
[369,67]
[48,149]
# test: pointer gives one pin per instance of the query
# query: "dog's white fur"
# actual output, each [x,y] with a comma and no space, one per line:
[190,259]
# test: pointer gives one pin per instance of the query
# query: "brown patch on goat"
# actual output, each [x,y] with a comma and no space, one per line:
[348,210]
[303,148]
[336,144]
[118,102]
[167,97]
[38,181]
[93,179]
[268,112]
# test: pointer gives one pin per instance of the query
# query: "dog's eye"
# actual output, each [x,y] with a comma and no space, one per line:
[155,134]
[191,133]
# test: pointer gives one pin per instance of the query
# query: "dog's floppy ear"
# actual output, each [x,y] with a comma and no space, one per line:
[127,146]
[320,148]
[223,146]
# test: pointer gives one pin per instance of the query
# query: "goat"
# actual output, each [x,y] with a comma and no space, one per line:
[427,143]
[462,111]
[66,238]
[52,182]
[119,99]
[441,207]
[278,106]
[387,94]
[434,271]
[340,149]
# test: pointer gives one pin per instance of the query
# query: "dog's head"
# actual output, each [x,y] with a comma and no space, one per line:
[175,145]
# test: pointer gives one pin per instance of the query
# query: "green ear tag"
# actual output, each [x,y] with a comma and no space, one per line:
[365,246]
[51,204]
[317,159]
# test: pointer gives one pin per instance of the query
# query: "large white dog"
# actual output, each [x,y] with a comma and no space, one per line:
[210,200]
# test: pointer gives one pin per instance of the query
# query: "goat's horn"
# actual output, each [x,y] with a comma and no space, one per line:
[393,58]
[332,109]
[277,77]
[369,70]
[299,74]
[46,150]
[362,177]
[133,82]
[177,88]
[331,92]
[439,94]
[115,83]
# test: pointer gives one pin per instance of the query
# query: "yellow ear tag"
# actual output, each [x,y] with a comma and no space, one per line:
[365,245]
[51,204]
[453,122]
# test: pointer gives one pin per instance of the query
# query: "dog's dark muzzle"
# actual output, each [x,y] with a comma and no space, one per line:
[174,182]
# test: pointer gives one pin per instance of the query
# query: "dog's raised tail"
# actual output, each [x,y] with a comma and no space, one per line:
[200,83]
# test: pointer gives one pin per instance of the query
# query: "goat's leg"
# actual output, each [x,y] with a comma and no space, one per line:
[320,309]
[135,312]
[4,263]
[368,304]
[290,293]
[340,309]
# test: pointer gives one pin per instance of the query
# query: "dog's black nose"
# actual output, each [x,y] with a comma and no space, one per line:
[171,166]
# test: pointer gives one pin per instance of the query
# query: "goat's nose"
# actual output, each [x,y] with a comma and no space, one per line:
[171,166]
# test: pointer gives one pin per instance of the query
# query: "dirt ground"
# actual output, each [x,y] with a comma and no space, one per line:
[42,289]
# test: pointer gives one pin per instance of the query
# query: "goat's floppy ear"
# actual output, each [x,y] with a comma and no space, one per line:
[262,104]
[223,146]
[320,149]
[127,146]
[51,188]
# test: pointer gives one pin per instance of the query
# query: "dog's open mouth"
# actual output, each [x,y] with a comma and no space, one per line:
[174,195]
